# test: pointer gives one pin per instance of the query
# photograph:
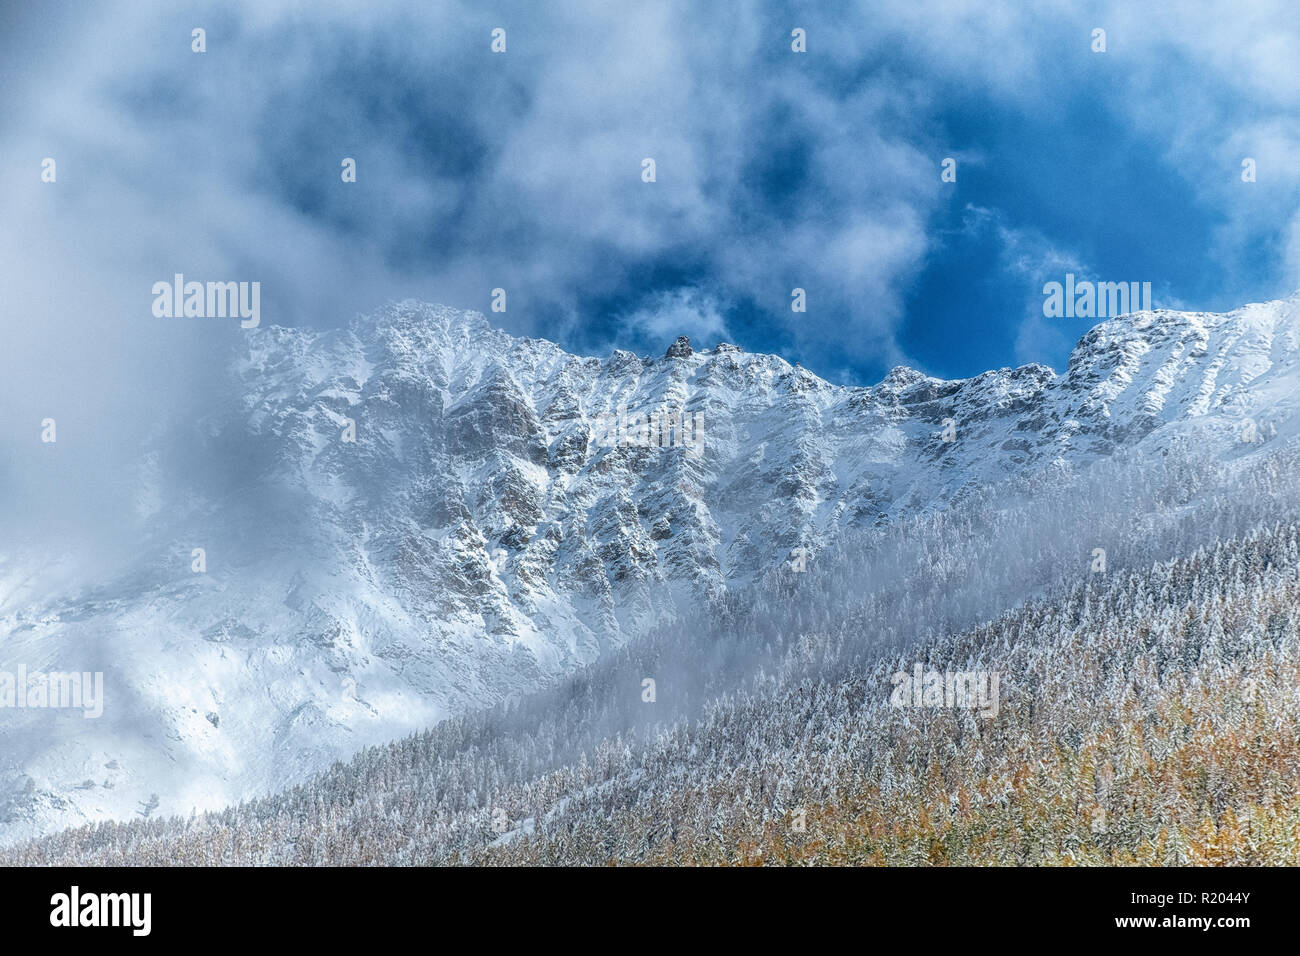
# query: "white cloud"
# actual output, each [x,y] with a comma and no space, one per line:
[680,312]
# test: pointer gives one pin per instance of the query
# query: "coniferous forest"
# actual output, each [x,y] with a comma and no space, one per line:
[1149,710]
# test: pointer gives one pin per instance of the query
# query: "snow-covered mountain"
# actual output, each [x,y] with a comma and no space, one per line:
[421,514]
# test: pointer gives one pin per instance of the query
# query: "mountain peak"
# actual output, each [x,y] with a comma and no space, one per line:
[901,376]
[414,313]
[680,349]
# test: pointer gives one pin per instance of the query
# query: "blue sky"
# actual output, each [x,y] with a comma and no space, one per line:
[522,170]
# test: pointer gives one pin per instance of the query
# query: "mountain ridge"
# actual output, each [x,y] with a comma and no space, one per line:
[475,541]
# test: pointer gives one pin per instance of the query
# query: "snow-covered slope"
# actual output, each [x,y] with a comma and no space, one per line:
[478,538]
